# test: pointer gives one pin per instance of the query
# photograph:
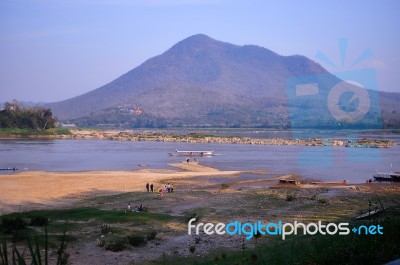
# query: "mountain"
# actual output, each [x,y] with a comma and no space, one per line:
[202,82]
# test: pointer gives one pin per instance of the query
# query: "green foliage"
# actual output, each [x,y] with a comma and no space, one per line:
[86,213]
[224,186]
[39,221]
[151,235]
[190,215]
[13,116]
[12,224]
[116,245]
[137,240]
[35,257]
[105,229]
[30,132]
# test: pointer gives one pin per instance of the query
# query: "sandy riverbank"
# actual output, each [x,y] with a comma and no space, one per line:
[211,194]
[35,189]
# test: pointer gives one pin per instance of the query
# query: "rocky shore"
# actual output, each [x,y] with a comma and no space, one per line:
[199,138]
[129,135]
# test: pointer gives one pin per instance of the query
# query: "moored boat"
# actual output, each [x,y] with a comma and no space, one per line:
[192,153]
[394,176]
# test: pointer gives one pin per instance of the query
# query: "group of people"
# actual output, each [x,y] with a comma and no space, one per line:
[149,187]
[135,209]
[167,188]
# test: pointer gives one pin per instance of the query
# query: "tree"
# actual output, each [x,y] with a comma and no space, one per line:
[14,116]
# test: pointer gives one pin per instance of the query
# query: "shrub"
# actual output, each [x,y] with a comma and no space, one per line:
[192,249]
[224,186]
[190,216]
[19,235]
[39,221]
[105,229]
[322,200]
[101,243]
[136,240]
[290,197]
[197,240]
[116,246]
[13,224]
[151,235]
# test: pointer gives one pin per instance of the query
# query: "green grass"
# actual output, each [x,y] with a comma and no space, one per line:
[87,214]
[28,132]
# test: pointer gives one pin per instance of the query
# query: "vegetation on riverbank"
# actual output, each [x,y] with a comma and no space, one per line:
[17,117]
[28,133]
[317,249]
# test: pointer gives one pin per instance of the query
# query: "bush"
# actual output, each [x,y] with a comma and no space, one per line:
[224,186]
[116,246]
[192,249]
[39,221]
[105,229]
[190,216]
[136,240]
[322,200]
[19,235]
[290,197]
[151,235]
[197,240]
[101,243]
[13,224]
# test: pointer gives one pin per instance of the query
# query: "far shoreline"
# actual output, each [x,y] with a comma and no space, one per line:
[151,135]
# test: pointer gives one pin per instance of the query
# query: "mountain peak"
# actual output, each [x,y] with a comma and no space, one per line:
[199,37]
[198,42]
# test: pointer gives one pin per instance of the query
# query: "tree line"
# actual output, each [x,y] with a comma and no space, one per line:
[37,118]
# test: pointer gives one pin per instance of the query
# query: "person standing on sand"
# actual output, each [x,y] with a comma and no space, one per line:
[151,187]
[147,187]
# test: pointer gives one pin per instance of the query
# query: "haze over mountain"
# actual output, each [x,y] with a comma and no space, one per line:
[204,82]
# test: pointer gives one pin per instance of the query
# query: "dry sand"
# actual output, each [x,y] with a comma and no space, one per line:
[36,189]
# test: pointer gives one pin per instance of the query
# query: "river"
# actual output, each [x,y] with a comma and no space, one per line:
[323,163]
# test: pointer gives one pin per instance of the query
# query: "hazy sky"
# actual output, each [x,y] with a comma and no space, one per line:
[53,50]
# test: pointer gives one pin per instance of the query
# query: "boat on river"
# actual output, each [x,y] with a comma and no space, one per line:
[192,153]
[394,176]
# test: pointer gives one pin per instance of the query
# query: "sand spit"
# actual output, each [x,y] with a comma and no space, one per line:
[32,189]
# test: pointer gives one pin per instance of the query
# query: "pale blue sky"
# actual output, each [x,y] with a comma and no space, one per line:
[53,50]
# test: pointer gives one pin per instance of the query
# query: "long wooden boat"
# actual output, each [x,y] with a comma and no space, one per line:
[192,153]
[8,169]
[344,182]
[394,176]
